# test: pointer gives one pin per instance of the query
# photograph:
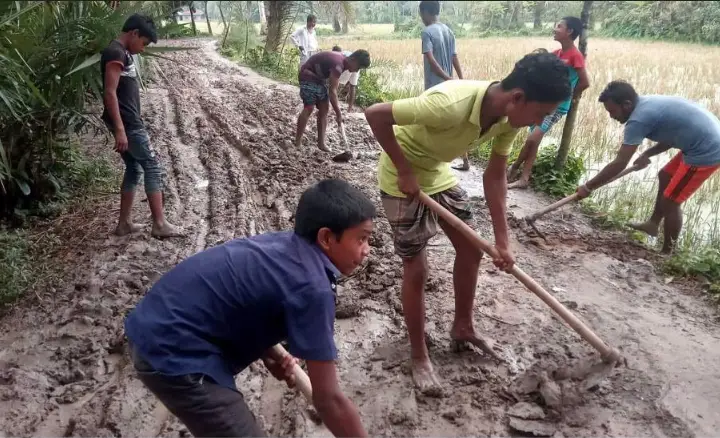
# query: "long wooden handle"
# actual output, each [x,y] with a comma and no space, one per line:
[608,354]
[302,381]
[574,196]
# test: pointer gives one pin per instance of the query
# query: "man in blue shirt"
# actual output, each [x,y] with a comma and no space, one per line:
[222,309]
[438,46]
[672,122]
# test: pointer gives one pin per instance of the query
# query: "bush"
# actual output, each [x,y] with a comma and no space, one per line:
[369,91]
[703,263]
[547,179]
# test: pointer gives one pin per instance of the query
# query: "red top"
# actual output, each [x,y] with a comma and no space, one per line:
[572,57]
[320,66]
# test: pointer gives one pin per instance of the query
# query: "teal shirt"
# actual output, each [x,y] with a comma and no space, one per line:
[574,60]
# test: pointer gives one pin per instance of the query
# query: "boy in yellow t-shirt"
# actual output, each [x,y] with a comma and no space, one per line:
[420,137]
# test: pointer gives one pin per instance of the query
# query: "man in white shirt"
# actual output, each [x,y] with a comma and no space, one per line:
[348,77]
[304,39]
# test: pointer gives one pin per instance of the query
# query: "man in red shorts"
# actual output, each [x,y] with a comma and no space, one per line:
[313,78]
[673,122]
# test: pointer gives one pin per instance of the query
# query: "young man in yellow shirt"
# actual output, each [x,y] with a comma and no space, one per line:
[420,137]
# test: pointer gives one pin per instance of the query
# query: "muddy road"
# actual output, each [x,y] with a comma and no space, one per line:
[225,135]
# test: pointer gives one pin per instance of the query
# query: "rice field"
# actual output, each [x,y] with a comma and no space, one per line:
[652,67]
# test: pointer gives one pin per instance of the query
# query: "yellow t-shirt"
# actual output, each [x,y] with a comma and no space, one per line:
[437,127]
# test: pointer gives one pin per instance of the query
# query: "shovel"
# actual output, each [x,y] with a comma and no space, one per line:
[343,135]
[609,355]
[302,381]
[574,197]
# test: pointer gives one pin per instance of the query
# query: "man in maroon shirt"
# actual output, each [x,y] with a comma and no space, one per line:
[313,78]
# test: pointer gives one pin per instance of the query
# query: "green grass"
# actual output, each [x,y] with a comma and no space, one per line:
[16,271]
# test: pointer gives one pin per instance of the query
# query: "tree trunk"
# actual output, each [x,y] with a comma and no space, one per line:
[279,16]
[336,23]
[263,18]
[564,149]
[225,25]
[192,17]
[345,25]
[537,19]
[515,17]
[207,18]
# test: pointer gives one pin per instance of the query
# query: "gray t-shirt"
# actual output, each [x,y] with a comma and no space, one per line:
[679,122]
[440,40]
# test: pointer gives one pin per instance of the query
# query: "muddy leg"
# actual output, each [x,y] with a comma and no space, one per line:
[672,226]
[465,275]
[529,154]
[125,225]
[413,301]
[303,118]
[322,124]
[652,225]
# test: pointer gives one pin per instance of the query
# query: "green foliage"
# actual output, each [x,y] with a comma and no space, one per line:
[547,179]
[15,267]
[369,91]
[694,21]
[698,262]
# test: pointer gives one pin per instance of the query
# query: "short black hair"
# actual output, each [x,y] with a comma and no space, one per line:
[333,204]
[575,25]
[542,76]
[336,49]
[619,92]
[430,8]
[143,24]
[310,18]
[362,57]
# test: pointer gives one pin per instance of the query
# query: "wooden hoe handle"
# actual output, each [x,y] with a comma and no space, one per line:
[574,197]
[608,354]
[302,381]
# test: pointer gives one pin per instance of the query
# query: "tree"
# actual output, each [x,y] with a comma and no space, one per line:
[207,18]
[537,16]
[564,149]
[280,16]
[263,18]
[191,6]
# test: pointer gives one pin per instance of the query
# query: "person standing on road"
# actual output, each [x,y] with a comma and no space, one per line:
[348,80]
[566,32]
[304,39]
[672,122]
[314,76]
[439,53]
[222,309]
[420,137]
[121,113]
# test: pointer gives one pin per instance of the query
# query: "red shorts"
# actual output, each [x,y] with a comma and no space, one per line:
[685,179]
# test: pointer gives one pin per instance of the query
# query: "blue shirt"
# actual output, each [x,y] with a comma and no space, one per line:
[678,122]
[440,40]
[219,310]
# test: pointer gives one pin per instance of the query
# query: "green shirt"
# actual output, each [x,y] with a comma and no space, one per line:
[437,127]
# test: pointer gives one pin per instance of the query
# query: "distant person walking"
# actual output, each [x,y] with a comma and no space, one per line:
[304,39]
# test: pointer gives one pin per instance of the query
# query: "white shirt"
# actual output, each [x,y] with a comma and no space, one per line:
[347,75]
[305,38]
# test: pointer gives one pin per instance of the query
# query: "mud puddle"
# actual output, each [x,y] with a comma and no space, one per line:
[225,136]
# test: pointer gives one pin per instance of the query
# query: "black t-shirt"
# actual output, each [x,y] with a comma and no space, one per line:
[128,89]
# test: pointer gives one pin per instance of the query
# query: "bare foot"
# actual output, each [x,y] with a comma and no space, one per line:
[324,148]
[127,228]
[425,379]
[298,143]
[519,184]
[166,230]
[649,228]
[512,173]
[486,345]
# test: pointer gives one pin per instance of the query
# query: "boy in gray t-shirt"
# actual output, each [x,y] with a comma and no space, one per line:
[438,46]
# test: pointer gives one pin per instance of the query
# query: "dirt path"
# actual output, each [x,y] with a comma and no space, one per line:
[224,133]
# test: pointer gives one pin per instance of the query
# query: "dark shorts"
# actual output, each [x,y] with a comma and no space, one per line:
[311,93]
[413,224]
[204,407]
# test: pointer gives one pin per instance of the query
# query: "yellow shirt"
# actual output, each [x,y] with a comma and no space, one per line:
[437,127]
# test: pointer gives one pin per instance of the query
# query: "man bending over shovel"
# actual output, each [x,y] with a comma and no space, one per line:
[673,122]
[224,308]
[420,137]
[314,76]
